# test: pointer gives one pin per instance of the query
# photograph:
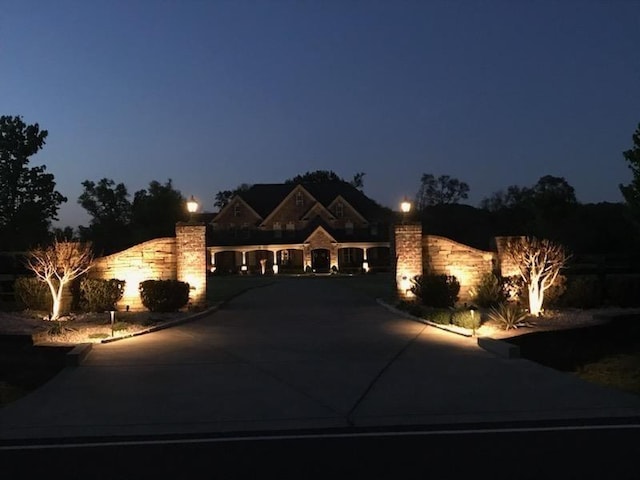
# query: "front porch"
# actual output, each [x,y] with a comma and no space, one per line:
[308,257]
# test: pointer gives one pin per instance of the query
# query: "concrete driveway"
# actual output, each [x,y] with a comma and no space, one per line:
[302,353]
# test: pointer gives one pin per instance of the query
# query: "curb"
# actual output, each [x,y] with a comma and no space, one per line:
[164,325]
[77,354]
[497,347]
[451,329]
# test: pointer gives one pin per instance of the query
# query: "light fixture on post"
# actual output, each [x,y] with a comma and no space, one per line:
[192,207]
[405,207]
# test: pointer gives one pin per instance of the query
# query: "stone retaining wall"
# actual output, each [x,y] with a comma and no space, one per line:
[152,260]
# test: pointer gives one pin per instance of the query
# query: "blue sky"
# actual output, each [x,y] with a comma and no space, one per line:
[212,94]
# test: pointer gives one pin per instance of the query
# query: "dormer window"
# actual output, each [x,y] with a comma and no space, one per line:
[299,199]
[339,210]
[236,210]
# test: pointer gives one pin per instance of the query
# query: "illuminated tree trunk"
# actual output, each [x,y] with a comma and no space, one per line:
[57,265]
[536,298]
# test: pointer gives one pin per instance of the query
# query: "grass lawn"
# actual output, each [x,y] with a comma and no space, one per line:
[619,371]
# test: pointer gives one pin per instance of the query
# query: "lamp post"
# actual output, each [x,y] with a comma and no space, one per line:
[192,206]
[405,207]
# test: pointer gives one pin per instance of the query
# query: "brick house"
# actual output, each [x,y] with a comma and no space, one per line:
[293,228]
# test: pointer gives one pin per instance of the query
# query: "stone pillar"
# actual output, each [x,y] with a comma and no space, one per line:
[191,260]
[407,244]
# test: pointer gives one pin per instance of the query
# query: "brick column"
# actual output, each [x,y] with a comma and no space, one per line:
[407,242]
[191,260]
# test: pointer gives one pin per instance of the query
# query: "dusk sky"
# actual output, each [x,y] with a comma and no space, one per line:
[212,94]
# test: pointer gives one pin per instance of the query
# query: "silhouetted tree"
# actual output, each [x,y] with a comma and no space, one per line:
[317,176]
[108,204]
[631,192]
[223,196]
[28,199]
[156,210]
[443,190]
[358,180]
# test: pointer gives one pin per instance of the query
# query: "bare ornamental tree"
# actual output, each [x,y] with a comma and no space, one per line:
[57,265]
[539,263]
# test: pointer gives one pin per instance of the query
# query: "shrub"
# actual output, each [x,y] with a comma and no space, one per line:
[164,295]
[490,292]
[99,295]
[508,315]
[440,316]
[583,291]
[466,319]
[439,291]
[33,294]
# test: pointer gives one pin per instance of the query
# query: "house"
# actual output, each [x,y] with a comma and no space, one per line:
[296,228]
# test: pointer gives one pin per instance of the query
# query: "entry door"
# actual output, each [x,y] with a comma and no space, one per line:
[320,260]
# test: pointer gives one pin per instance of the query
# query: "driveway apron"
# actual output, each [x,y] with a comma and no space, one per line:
[301,353]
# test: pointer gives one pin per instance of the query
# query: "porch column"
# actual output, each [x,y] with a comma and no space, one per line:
[365,262]
[243,268]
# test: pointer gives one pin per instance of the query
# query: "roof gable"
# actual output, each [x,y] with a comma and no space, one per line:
[227,210]
[320,230]
[297,189]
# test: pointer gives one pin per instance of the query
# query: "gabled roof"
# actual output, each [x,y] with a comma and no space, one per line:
[265,197]
[232,202]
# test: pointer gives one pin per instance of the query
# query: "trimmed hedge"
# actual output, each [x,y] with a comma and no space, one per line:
[99,295]
[439,291]
[164,295]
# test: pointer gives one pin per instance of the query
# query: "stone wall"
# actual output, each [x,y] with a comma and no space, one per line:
[191,263]
[407,253]
[444,256]
[152,260]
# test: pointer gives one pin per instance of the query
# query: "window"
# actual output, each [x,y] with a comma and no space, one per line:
[374,229]
[339,209]
[236,210]
[299,199]
[277,229]
[245,230]
[348,226]
[291,226]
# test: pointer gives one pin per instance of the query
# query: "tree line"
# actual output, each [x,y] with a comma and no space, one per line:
[29,203]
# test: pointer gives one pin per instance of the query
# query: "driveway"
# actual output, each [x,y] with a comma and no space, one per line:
[301,353]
